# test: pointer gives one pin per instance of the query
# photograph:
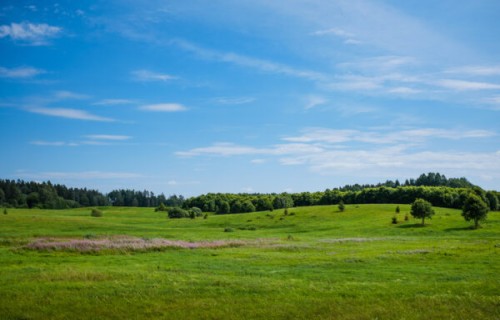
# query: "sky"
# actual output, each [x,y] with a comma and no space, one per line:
[190,97]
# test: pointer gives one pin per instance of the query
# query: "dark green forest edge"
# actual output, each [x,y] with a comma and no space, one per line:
[432,187]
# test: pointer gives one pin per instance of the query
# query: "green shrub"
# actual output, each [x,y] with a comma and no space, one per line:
[196,211]
[341,206]
[228,230]
[394,220]
[176,212]
[5,211]
[96,213]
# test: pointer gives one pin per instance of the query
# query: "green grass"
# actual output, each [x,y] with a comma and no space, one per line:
[316,264]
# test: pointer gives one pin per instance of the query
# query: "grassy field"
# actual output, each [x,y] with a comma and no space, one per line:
[316,263]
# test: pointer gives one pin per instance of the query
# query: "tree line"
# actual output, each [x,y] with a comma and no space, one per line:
[45,195]
[432,187]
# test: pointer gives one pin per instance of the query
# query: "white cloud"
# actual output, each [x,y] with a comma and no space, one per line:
[250,62]
[164,107]
[462,85]
[349,38]
[53,143]
[34,34]
[69,95]
[221,149]
[335,31]
[112,102]
[146,75]
[108,137]
[234,101]
[493,70]
[69,114]
[258,161]
[20,72]
[314,101]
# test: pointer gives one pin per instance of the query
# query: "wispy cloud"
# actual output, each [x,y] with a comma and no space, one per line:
[69,95]
[314,101]
[69,114]
[348,37]
[112,102]
[362,153]
[163,107]
[234,101]
[493,70]
[146,76]
[30,33]
[20,72]
[53,143]
[249,62]
[108,137]
[462,85]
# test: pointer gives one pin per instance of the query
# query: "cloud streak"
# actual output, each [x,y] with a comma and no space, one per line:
[69,114]
[163,107]
[20,72]
[149,76]
[30,33]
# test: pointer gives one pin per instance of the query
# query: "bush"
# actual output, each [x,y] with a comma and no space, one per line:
[407,218]
[398,210]
[341,206]
[394,220]
[196,211]
[162,207]
[5,211]
[228,230]
[96,213]
[176,212]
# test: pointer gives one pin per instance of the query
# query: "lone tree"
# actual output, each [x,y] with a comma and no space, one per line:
[422,209]
[474,209]
[341,206]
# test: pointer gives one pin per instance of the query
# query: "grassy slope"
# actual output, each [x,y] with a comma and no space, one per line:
[298,270]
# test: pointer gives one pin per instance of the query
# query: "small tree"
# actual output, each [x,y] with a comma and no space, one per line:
[474,209]
[5,211]
[341,206]
[398,210]
[422,209]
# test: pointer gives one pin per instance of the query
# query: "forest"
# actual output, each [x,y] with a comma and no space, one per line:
[433,187]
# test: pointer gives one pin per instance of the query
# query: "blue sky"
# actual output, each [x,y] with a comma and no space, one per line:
[190,97]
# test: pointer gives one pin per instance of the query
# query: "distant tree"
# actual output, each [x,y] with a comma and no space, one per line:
[422,209]
[161,207]
[493,200]
[398,210]
[5,211]
[223,208]
[474,209]
[247,206]
[341,206]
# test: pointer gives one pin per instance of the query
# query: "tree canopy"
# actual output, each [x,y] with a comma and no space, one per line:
[422,209]
[474,209]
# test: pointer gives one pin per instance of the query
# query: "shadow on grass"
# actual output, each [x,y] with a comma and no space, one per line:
[468,228]
[413,225]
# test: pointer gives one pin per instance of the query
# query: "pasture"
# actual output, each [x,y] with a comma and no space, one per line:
[314,263]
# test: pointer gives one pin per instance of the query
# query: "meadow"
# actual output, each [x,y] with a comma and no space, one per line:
[314,263]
